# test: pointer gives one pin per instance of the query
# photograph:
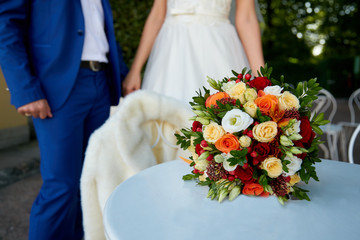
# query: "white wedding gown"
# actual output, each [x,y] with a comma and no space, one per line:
[196,40]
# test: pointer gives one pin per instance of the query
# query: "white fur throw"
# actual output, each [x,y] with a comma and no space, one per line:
[123,146]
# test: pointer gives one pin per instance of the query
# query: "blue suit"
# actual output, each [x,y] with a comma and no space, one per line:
[41,43]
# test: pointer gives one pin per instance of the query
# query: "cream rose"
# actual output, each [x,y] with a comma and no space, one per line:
[237,91]
[265,132]
[236,120]
[245,141]
[273,90]
[213,132]
[288,100]
[293,166]
[250,108]
[273,166]
[250,94]
[294,179]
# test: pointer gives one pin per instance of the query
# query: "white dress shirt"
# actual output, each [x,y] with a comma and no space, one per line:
[96,45]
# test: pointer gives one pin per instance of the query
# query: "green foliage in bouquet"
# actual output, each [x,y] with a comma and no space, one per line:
[254,135]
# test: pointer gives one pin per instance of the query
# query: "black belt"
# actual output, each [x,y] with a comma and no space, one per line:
[93,65]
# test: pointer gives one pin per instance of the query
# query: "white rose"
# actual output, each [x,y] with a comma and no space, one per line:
[228,85]
[273,90]
[293,166]
[226,163]
[236,120]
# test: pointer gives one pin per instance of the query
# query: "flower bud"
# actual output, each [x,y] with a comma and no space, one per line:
[234,192]
[295,137]
[203,121]
[285,141]
[223,193]
[289,154]
[203,156]
[196,107]
[199,113]
[218,158]
[295,150]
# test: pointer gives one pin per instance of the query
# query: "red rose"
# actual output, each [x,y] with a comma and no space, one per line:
[262,150]
[306,131]
[245,175]
[196,126]
[260,83]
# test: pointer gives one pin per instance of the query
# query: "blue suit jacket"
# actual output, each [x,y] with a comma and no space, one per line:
[41,44]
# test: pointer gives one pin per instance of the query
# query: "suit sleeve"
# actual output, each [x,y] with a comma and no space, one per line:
[14,54]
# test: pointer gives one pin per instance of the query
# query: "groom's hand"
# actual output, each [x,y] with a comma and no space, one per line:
[36,109]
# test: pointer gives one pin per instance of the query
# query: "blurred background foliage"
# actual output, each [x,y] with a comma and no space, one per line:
[302,39]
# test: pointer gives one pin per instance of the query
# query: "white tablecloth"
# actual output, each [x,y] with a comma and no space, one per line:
[157,204]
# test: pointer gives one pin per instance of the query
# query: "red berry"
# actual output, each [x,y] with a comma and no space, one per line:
[237,81]
[229,80]
[245,131]
[199,129]
[240,76]
[249,149]
[210,157]
[201,151]
[246,165]
[254,154]
[250,134]
[195,171]
[204,143]
[247,76]
[256,123]
[231,178]
[287,179]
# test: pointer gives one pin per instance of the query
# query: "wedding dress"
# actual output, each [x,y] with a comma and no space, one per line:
[196,40]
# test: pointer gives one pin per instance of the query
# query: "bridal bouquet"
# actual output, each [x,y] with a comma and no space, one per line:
[255,136]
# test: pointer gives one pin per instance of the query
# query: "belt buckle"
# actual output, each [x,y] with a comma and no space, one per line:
[94,66]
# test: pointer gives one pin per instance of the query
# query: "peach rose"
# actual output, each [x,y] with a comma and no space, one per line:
[213,132]
[250,108]
[288,101]
[265,132]
[211,100]
[266,103]
[227,143]
[254,189]
[237,91]
[294,179]
[273,166]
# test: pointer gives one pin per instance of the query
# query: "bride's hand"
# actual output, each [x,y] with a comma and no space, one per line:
[131,83]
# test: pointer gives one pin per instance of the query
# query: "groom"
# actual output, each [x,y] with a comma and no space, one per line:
[62,66]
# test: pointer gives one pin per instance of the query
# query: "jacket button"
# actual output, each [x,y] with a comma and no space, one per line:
[80,32]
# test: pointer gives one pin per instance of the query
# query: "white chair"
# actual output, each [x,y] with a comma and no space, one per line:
[138,135]
[326,103]
[350,129]
[352,143]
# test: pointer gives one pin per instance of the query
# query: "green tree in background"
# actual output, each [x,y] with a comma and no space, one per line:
[302,39]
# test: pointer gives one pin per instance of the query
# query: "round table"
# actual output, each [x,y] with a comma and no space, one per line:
[157,204]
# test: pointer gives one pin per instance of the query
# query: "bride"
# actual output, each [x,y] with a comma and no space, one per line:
[188,40]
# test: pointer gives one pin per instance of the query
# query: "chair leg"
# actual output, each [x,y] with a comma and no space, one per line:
[351,144]
[325,150]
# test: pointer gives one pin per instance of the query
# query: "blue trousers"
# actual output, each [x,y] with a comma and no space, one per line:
[56,212]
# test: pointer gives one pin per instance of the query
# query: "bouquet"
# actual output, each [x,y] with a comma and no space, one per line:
[254,135]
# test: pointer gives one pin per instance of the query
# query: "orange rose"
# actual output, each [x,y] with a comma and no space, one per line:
[254,189]
[211,100]
[266,103]
[227,143]
[277,114]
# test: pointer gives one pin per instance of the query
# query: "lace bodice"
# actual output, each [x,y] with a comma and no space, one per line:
[215,8]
